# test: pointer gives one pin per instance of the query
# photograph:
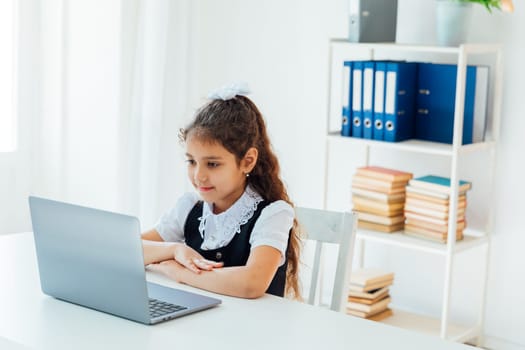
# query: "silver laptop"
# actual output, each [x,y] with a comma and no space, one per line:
[94,258]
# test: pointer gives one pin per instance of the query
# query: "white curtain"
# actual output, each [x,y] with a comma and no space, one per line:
[114,91]
[16,165]
[142,141]
[158,99]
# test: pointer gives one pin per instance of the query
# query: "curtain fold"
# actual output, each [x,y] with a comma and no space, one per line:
[158,102]
[146,113]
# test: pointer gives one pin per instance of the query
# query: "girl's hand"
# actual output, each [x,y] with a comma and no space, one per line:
[193,261]
[169,268]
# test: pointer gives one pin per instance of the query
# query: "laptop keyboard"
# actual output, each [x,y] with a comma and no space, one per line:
[160,308]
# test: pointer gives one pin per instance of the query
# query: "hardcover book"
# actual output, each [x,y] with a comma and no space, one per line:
[359,178]
[438,184]
[367,301]
[365,277]
[381,219]
[369,309]
[432,236]
[363,202]
[380,227]
[460,225]
[379,196]
[374,317]
[371,184]
[384,173]
[381,315]
[430,199]
[388,213]
[440,214]
[425,192]
[373,294]
[410,201]
[382,189]
[426,218]
[381,284]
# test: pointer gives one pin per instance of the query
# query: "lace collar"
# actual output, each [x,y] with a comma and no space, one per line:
[220,228]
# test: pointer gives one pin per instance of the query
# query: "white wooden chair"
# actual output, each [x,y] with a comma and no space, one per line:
[323,226]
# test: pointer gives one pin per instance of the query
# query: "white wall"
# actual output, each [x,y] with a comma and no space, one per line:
[505,311]
[281,48]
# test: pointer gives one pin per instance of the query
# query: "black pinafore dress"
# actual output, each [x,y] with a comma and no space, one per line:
[236,253]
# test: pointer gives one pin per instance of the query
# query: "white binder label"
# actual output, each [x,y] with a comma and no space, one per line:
[379,96]
[367,89]
[390,92]
[356,90]
[346,86]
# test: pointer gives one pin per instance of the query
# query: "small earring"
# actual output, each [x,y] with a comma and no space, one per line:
[247,174]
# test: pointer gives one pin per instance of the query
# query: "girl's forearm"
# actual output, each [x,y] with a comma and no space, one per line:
[249,281]
[157,251]
[237,281]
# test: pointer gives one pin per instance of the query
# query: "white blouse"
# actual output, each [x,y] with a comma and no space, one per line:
[272,228]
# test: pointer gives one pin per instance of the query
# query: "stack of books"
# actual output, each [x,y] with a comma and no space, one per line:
[368,295]
[378,196]
[427,207]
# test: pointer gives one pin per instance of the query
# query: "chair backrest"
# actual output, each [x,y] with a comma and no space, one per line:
[323,226]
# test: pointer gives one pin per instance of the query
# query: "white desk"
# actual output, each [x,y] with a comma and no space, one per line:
[37,321]
[9,345]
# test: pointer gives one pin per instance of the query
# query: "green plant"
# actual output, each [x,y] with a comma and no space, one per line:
[505,5]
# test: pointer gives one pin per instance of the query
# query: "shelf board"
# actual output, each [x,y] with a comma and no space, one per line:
[430,325]
[401,240]
[474,147]
[469,48]
[416,146]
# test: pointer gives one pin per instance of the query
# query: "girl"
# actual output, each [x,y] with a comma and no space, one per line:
[238,234]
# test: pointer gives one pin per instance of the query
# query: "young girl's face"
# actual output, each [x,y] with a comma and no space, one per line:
[214,173]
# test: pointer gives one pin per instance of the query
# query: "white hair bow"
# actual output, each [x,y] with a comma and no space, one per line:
[229,91]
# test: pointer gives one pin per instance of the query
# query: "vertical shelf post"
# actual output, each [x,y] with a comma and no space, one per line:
[454,185]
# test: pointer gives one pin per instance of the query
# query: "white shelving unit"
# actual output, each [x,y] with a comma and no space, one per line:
[342,50]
